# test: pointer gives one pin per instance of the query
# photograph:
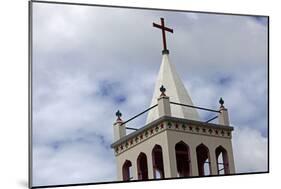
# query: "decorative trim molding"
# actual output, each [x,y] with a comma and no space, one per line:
[222,132]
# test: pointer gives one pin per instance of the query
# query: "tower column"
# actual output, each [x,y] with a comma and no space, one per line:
[119,171]
[149,164]
[169,160]
[213,160]
[193,161]
[230,159]
[135,169]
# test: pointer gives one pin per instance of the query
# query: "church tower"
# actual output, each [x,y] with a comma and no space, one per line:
[174,142]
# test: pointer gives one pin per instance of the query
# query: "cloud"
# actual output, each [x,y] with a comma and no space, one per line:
[89,62]
[70,162]
[250,150]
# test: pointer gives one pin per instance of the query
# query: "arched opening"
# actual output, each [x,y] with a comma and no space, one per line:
[222,161]
[142,167]
[157,161]
[183,159]
[127,170]
[203,160]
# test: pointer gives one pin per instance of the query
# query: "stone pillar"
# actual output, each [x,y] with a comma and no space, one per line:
[119,171]
[230,159]
[193,161]
[169,159]
[149,165]
[119,129]
[213,160]
[164,106]
[135,170]
[223,116]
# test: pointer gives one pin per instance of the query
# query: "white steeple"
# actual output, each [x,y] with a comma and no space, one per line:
[175,89]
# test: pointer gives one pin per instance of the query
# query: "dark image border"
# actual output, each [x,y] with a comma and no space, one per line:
[30,87]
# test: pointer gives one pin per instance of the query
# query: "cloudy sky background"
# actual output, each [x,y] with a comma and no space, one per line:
[90,61]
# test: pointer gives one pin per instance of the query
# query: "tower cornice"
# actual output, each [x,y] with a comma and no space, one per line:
[167,123]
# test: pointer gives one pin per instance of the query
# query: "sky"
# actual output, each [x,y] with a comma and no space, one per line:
[88,62]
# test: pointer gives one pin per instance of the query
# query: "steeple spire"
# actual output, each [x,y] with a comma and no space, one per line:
[174,87]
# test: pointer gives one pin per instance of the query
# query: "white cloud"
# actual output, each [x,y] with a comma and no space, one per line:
[250,150]
[72,162]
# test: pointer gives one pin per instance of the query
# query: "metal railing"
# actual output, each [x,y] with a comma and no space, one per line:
[130,128]
[200,108]
[196,107]
[211,119]
[175,103]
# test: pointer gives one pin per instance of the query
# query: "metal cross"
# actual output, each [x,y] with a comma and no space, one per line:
[163,28]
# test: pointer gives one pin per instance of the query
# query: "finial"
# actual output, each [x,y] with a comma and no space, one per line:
[221,101]
[119,115]
[162,90]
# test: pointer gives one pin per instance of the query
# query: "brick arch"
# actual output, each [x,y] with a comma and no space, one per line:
[203,160]
[126,171]
[222,160]
[157,162]
[142,166]
[183,159]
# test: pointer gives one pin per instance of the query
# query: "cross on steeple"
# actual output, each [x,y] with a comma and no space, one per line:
[163,28]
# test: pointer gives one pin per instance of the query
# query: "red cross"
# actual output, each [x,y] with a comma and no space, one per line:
[163,28]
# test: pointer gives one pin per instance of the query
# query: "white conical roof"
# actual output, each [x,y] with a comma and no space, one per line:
[175,89]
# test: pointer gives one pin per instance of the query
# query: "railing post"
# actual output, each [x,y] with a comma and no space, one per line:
[119,128]
[223,116]
[164,107]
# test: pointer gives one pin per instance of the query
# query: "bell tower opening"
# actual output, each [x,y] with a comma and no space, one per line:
[158,166]
[203,160]
[142,167]
[126,170]
[183,159]
[222,161]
